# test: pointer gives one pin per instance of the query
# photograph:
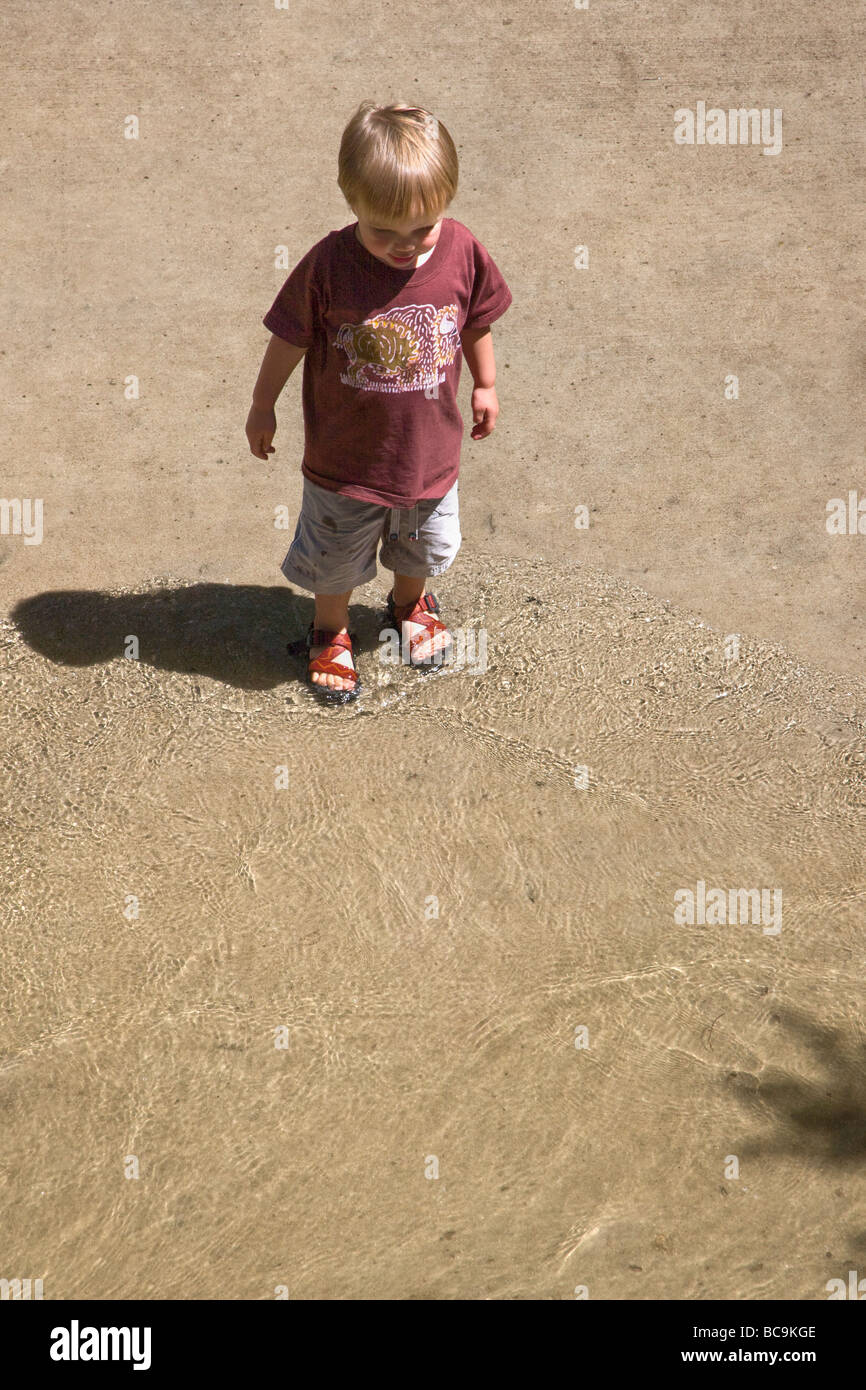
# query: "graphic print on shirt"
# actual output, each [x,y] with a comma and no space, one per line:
[403,349]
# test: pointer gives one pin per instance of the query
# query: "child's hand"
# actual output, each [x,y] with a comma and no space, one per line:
[261,428]
[485,408]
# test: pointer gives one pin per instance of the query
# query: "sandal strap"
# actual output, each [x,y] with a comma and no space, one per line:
[428,622]
[428,602]
[422,614]
[333,668]
[332,642]
[431,627]
[322,637]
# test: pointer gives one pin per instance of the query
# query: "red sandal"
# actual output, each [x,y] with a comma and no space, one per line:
[421,611]
[325,663]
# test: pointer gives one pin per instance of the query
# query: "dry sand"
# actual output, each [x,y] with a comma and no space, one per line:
[419,1044]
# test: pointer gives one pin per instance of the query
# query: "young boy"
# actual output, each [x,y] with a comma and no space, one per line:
[380,311]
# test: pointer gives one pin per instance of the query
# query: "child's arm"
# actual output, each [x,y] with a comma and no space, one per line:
[280,360]
[477,344]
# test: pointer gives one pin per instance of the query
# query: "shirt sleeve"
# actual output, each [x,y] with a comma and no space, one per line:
[294,313]
[490,295]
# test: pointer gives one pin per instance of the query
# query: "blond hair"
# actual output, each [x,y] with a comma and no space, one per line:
[396,163]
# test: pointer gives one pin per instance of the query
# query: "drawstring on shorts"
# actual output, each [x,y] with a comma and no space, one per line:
[395,513]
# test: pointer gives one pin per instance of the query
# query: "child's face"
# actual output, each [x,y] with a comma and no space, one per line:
[398,245]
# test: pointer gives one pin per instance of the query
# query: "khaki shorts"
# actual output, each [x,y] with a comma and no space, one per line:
[335,542]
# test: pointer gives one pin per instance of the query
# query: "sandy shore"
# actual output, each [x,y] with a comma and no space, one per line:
[482,908]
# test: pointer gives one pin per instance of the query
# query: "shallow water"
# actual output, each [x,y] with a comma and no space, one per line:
[413,1036]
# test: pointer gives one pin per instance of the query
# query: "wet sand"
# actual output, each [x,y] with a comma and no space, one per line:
[431,892]
[482,908]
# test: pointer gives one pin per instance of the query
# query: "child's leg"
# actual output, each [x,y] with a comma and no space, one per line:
[335,544]
[408,588]
[332,614]
[426,537]
[332,611]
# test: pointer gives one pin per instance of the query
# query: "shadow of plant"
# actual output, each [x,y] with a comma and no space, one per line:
[824,1120]
[232,633]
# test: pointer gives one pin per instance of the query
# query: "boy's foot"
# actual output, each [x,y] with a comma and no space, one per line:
[425,640]
[331,666]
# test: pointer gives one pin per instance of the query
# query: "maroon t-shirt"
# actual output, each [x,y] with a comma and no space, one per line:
[383,360]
